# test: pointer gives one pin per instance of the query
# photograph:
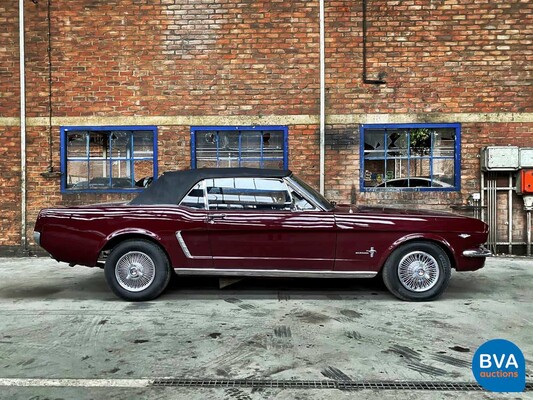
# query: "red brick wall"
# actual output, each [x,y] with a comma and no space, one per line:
[10,193]
[9,59]
[9,135]
[439,56]
[237,58]
[261,58]
[179,57]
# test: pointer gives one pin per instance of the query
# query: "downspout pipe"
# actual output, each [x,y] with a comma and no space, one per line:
[366,80]
[23,223]
[322,99]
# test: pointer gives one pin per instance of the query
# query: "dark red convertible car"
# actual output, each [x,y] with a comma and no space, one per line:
[256,222]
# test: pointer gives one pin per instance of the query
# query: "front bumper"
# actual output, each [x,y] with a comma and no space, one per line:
[482,251]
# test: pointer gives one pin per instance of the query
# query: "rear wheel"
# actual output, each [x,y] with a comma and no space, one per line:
[137,270]
[417,271]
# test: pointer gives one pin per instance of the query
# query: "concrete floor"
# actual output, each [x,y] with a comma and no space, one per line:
[64,323]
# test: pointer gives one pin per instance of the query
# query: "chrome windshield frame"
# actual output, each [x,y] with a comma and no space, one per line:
[310,194]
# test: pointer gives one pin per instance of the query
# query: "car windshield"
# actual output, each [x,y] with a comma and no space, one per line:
[311,193]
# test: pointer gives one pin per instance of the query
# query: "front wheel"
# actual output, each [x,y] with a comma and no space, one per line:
[417,271]
[137,270]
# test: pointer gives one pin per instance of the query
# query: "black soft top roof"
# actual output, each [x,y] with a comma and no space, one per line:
[172,186]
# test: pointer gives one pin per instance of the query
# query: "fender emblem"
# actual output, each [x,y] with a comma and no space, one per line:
[370,252]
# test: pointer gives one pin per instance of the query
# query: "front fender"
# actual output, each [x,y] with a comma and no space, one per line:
[432,237]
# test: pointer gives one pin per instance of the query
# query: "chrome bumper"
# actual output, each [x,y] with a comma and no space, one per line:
[480,252]
[37,238]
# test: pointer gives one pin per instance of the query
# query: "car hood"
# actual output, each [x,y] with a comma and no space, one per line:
[350,209]
[437,220]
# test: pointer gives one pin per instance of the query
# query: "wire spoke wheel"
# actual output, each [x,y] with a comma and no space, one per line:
[135,271]
[418,271]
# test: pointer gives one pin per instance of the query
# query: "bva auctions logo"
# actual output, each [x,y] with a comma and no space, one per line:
[499,366]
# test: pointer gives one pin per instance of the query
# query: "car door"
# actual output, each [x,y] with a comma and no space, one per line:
[253,225]
[192,235]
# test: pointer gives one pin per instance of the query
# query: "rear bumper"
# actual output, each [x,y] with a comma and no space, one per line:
[482,251]
[37,238]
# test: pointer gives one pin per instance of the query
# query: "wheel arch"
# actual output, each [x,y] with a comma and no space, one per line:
[119,237]
[435,239]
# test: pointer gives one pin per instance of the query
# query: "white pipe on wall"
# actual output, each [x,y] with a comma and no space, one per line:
[23,240]
[322,99]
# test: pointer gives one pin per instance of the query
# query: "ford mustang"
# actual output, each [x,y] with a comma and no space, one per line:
[257,222]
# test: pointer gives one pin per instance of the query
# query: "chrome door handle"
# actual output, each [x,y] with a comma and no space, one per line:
[212,217]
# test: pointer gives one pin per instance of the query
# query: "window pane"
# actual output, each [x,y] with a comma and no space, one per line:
[271,191]
[98,144]
[420,167]
[219,194]
[239,147]
[251,141]
[247,193]
[206,149]
[98,175]
[375,144]
[299,203]
[273,140]
[120,169]
[419,141]
[77,145]
[195,198]
[78,175]
[376,173]
[251,164]
[143,169]
[409,157]
[228,149]
[143,144]
[121,183]
[101,160]
[120,143]
[121,174]
[443,171]
[444,143]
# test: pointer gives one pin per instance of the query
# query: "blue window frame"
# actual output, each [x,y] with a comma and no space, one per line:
[239,146]
[107,158]
[411,157]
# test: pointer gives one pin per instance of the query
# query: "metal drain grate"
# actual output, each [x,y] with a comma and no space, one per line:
[324,384]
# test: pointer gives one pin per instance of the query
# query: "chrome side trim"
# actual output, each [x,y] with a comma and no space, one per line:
[481,252]
[275,273]
[185,249]
[270,258]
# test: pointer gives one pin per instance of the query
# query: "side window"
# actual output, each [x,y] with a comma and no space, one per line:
[195,198]
[299,203]
[248,194]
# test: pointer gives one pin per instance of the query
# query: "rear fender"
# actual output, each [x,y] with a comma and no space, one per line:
[166,242]
[137,232]
[130,231]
